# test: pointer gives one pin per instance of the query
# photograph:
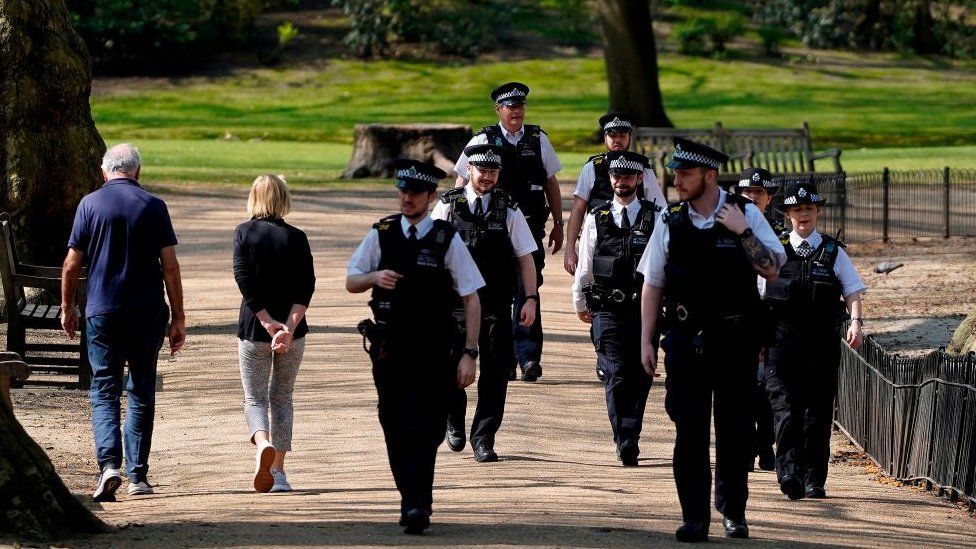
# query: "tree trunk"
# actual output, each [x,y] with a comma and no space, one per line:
[631,60]
[49,156]
[924,40]
[50,151]
[377,145]
[866,27]
[964,338]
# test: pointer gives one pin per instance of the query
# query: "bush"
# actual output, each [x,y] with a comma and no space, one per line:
[772,36]
[723,28]
[691,36]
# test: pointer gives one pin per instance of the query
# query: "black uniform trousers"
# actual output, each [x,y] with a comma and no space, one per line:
[414,384]
[801,381]
[528,341]
[494,362]
[763,411]
[717,366]
[616,338]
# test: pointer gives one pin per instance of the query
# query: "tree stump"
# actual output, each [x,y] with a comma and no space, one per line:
[377,145]
[964,338]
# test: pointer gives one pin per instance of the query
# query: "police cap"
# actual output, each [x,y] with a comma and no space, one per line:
[512,93]
[626,162]
[690,154]
[415,175]
[485,156]
[617,122]
[802,193]
[756,177]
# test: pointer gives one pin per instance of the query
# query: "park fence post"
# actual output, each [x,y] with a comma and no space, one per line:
[885,183]
[945,202]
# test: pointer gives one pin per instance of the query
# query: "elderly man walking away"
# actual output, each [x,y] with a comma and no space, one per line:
[124,236]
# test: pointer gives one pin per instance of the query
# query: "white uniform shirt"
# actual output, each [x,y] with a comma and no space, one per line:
[850,281]
[518,229]
[656,255]
[465,274]
[549,159]
[587,245]
[652,189]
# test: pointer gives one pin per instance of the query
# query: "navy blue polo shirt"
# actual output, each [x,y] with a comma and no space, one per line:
[121,228]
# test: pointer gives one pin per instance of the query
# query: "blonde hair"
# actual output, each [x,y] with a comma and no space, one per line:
[269,197]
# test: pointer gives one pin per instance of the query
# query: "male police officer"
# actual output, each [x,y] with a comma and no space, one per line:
[801,376]
[703,259]
[757,185]
[593,187]
[495,231]
[530,179]
[416,268]
[606,293]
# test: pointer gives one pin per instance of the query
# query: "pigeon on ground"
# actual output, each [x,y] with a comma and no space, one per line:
[886,267]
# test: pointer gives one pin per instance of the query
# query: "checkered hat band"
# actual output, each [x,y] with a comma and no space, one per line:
[790,200]
[516,93]
[624,164]
[748,183]
[414,174]
[695,157]
[617,123]
[486,157]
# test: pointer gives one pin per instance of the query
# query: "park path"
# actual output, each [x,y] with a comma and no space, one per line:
[557,484]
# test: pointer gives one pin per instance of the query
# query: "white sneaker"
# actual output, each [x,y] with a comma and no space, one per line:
[108,483]
[280,482]
[140,488]
[263,481]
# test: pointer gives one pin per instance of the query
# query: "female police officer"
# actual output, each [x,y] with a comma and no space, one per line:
[801,369]
[416,268]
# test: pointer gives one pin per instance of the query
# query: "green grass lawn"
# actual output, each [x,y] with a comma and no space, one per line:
[904,112]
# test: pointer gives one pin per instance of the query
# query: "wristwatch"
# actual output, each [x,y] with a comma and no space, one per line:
[746,233]
[533,296]
[471,352]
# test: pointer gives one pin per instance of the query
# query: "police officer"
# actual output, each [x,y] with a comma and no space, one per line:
[606,293]
[757,185]
[416,268]
[703,260]
[529,177]
[593,187]
[495,231]
[801,371]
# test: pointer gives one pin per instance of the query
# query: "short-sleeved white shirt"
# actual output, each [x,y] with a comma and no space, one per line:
[850,280]
[656,255]
[652,189]
[465,274]
[549,159]
[518,228]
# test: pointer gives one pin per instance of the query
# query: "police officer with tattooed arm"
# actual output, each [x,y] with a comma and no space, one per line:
[495,231]
[702,263]
[416,268]
[606,293]
[529,178]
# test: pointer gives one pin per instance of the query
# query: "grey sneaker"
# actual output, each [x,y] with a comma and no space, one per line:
[141,488]
[280,482]
[108,483]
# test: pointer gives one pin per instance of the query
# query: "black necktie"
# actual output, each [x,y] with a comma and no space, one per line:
[412,237]
[479,207]
[804,250]
[624,219]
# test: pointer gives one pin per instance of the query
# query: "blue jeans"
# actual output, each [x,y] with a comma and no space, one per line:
[115,339]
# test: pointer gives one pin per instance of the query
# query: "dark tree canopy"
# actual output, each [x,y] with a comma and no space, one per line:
[50,151]
[631,60]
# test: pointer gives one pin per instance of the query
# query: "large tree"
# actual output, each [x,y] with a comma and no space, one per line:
[631,60]
[50,150]
[49,154]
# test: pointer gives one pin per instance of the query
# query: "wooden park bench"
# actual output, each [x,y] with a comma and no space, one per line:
[781,151]
[32,295]
[11,368]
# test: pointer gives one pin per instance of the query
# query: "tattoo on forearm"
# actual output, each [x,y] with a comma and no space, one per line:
[758,254]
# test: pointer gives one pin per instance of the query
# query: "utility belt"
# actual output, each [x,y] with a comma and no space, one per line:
[603,298]
[678,314]
[377,334]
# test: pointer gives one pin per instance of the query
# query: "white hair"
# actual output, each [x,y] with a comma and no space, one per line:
[123,159]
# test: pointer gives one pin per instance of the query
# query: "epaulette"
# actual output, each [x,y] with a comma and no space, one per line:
[597,159]
[603,213]
[385,223]
[602,205]
[672,215]
[449,195]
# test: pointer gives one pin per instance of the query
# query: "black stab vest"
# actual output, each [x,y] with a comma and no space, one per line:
[523,174]
[708,271]
[490,244]
[422,303]
[618,251]
[602,189]
[807,290]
